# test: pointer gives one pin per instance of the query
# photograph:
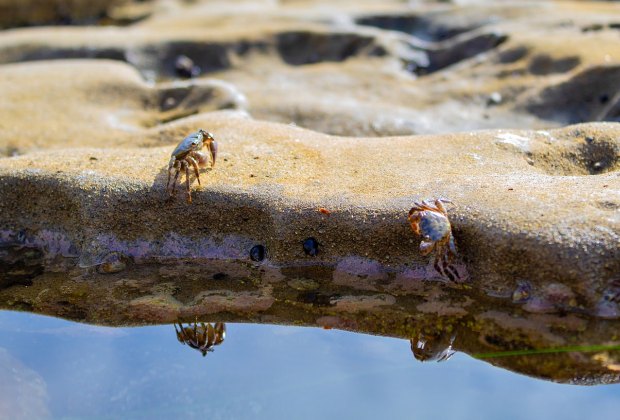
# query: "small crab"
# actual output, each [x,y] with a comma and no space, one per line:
[431,222]
[436,347]
[188,153]
[202,338]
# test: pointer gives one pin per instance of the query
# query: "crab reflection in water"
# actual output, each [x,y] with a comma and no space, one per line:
[201,336]
[437,348]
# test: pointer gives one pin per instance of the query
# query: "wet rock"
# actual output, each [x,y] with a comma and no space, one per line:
[303,284]
[19,265]
[362,303]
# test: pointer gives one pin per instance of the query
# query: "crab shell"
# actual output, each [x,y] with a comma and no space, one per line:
[434,227]
[194,143]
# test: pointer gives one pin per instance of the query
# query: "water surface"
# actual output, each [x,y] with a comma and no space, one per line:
[63,370]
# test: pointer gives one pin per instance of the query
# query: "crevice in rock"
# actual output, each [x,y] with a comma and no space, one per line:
[462,48]
[305,47]
[591,95]
[33,53]
[543,64]
[422,27]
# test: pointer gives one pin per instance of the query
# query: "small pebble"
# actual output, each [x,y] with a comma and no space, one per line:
[257,253]
[311,247]
[185,67]
[494,99]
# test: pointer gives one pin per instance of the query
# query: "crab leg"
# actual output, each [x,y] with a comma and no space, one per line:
[174,185]
[187,186]
[179,337]
[170,167]
[447,268]
[451,272]
[440,207]
[423,206]
[437,266]
[195,165]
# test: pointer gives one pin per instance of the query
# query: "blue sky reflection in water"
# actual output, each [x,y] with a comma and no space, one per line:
[62,369]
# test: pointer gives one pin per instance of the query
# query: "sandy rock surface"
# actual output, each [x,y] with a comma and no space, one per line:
[332,119]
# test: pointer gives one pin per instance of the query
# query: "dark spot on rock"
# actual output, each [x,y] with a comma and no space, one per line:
[577,99]
[19,265]
[21,236]
[221,276]
[311,247]
[316,298]
[258,253]
[604,98]
[307,47]
[427,28]
[607,205]
[592,28]
[512,55]
[543,64]
[22,306]
[612,292]
[462,49]
[70,310]
[504,343]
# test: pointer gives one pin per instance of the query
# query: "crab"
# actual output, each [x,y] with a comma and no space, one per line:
[202,338]
[436,347]
[431,222]
[188,153]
